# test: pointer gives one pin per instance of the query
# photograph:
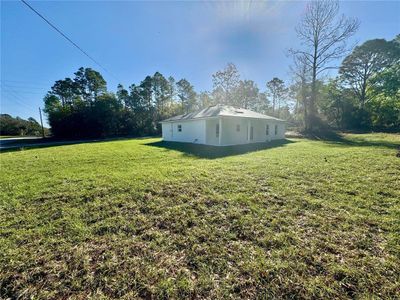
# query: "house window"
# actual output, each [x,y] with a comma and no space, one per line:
[217,131]
[267,129]
[251,132]
[276,129]
[237,127]
[179,128]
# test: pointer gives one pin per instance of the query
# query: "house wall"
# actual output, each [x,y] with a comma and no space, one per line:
[204,131]
[211,136]
[193,131]
[230,135]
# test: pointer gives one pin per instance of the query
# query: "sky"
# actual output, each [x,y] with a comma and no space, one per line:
[185,39]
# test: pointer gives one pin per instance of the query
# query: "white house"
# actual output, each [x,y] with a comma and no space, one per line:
[222,125]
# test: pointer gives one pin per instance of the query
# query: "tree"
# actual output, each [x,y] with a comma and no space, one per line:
[300,89]
[161,92]
[65,90]
[123,95]
[262,103]
[18,126]
[204,99]
[225,83]
[385,99]
[187,95]
[146,92]
[89,83]
[171,91]
[246,94]
[333,103]
[323,34]
[93,112]
[277,90]
[366,60]
[104,116]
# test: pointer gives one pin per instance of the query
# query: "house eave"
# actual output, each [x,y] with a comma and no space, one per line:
[222,116]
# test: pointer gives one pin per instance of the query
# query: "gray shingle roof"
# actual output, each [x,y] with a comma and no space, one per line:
[220,110]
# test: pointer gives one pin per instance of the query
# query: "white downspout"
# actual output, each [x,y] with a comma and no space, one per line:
[220,131]
[248,130]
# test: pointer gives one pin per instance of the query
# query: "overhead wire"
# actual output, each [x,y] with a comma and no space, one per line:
[68,39]
[16,98]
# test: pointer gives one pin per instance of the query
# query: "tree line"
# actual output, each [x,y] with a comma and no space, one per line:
[17,126]
[365,94]
[83,107]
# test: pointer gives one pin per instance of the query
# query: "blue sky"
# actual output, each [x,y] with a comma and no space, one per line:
[189,40]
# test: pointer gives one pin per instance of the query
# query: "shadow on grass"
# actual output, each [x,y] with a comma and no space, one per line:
[30,144]
[340,139]
[212,152]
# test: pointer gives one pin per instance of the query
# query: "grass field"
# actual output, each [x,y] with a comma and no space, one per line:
[143,219]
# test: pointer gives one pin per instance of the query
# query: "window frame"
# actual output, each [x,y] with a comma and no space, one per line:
[217,129]
[179,127]
[276,129]
[267,129]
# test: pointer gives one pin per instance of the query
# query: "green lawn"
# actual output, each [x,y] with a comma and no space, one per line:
[143,219]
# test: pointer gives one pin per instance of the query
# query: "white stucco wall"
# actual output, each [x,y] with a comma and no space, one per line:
[204,131]
[230,135]
[211,136]
[193,131]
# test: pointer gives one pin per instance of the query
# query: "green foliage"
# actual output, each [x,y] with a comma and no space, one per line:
[385,99]
[129,219]
[364,97]
[82,107]
[278,92]
[368,59]
[10,126]
[89,84]
[186,95]
[366,94]
[340,108]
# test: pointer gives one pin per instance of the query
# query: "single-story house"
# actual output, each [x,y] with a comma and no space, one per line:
[222,125]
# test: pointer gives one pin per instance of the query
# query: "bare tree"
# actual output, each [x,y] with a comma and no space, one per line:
[323,34]
[246,94]
[225,82]
[300,87]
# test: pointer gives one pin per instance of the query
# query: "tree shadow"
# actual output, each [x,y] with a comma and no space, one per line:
[213,152]
[30,144]
[340,139]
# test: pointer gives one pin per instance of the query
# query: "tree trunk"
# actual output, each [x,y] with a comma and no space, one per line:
[313,98]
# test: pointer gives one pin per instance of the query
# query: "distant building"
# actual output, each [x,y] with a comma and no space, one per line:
[223,125]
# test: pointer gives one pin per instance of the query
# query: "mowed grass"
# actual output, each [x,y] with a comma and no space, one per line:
[143,219]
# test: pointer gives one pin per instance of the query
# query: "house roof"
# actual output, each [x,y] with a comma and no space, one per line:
[220,111]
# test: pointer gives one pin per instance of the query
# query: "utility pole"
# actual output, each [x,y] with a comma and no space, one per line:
[41,121]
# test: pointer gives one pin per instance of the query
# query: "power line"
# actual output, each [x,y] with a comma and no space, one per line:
[17,98]
[68,39]
[24,87]
[26,92]
[35,83]
[16,94]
